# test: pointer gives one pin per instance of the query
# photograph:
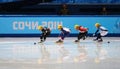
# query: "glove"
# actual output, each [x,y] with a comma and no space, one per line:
[44,33]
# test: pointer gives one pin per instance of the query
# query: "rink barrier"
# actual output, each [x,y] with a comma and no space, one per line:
[52,35]
[26,26]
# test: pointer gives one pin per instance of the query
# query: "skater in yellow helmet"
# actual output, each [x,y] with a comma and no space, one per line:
[45,33]
[64,32]
[82,32]
[101,31]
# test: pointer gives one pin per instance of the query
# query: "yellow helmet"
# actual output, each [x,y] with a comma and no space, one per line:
[76,26]
[97,24]
[59,27]
[40,27]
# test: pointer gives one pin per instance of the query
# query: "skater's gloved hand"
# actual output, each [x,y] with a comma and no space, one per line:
[93,34]
[44,33]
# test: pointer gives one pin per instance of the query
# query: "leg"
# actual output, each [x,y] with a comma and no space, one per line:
[41,37]
[79,37]
[61,38]
[85,35]
[45,36]
[99,37]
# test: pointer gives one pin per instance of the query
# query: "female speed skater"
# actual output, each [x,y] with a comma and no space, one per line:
[101,31]
[45,33]
[82,32]
[64,32]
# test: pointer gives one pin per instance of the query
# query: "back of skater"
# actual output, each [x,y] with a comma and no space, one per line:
[45,33]
[82,32]
[64,33]
[101,31]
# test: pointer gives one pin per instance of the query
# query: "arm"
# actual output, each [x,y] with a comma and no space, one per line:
[96,31]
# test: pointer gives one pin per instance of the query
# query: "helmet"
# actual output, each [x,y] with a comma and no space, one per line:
[76,26]
[40,27]
[59,27]
[97,24]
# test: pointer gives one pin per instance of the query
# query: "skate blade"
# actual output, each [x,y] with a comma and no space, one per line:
[40,42]
[76,42]
[59,42]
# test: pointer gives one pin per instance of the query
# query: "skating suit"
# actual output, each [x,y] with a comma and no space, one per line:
[102,30]
[82,29]
[64,32]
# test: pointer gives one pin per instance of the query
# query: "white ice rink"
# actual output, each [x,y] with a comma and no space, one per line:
[22,53]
